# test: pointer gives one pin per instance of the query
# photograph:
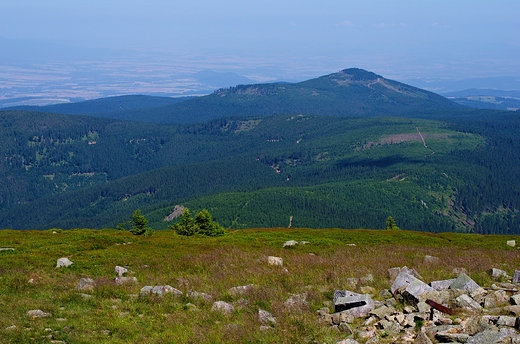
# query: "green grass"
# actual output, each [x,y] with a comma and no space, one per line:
[114,314]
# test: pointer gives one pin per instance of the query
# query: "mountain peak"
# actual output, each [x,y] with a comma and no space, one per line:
[357,74]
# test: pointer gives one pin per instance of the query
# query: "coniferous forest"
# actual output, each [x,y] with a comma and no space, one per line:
[346,150]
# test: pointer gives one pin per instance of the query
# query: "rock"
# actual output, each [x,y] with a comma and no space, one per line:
[345,328]
[352,282]
[393,273]
[511,243]
[515,299]
[367,279]
[431,260]
[63,262]
[348,341]
[266,318]
[240,290]
[505,320]
[125,280]
[86,284]
[458,271]
[466,302]
[38,313]
[422,338]
[464,282]
[452,336]
[198,295]
[358,305]
[367,290]
[6,249]
[442,285]
[497,273]
[513,310]
[159,290]
[304,243]
[491,337]
[271,260]
[120,271]
[405,282]
[296,301]
[390,327]
[222,307]
[290,243]
[516,277]
[383,311]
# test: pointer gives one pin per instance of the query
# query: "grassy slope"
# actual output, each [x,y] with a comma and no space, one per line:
[29,280]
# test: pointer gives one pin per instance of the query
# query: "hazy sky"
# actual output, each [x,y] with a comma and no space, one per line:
[396,38]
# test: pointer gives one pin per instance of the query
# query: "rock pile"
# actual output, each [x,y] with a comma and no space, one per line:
[450,311]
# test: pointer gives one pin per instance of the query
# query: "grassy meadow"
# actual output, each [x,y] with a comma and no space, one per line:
[114,313]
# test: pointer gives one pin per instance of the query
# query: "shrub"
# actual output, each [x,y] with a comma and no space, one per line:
[202,224]
[139,226]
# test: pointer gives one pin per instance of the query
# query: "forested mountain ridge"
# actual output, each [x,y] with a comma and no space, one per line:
[350,92]
[344,150]
[459,172]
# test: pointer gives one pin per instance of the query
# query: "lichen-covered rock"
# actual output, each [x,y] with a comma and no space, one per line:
[159,290]
[266,318]
[464,282]
[271,260]
[290,243]
[223,307]
[199,295]
[240,290]
[358,305]
[86,284]
[467,303]
[125,280]
[38,313]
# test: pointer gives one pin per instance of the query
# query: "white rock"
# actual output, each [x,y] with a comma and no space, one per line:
[120,271]
[222,307]
[290,243]
[271,260]
[38,313]
[266,318]
[511,243]
[63,262]
[86,284]
[125,280]
[240,290]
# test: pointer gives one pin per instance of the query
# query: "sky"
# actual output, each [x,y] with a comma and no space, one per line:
[292,39]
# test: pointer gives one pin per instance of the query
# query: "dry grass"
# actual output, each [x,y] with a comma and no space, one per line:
[113,313]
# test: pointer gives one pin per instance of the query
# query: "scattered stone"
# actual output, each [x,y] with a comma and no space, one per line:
[200,296]
[422,338]
[240,290]
[431,260]
[6,249]
[358,305]
[304,242]
[223,307]
[159,290]
[12,327]
[63,262]
[497,273]
[516,277]
[86,284]
[290,243]
[125,280]
[271,260]
[515,299]
[464,282]
[120,271]
[511,243]
[442,285]
[266,318]
[38,313]
[467,303]
[505,320]
[296,301]
[345,328]
[413,286]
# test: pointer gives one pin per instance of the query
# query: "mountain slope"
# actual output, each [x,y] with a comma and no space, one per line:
[350,92]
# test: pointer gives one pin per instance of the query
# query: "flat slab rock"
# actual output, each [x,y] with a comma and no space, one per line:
[358,305]
[412,285]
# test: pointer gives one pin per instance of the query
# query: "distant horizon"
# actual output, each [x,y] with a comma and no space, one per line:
[97,48]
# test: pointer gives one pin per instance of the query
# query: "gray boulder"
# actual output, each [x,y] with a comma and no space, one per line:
[38,313]
[467,303]
[442,285]
[464,282]
[431,260]
[86,284]
[272,260]
[497,273]
[266,318]
[413,286]
[196,295]
[159,290]
[358,305]
[516,277]
[240,290]
[223,307]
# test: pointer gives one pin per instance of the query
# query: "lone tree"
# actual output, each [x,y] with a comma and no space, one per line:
[139,226]
[202,224]
[390,224]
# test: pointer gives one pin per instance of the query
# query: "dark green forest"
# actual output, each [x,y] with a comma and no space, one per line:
[443,168]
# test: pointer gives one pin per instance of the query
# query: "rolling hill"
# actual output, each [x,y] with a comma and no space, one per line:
[385,149]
